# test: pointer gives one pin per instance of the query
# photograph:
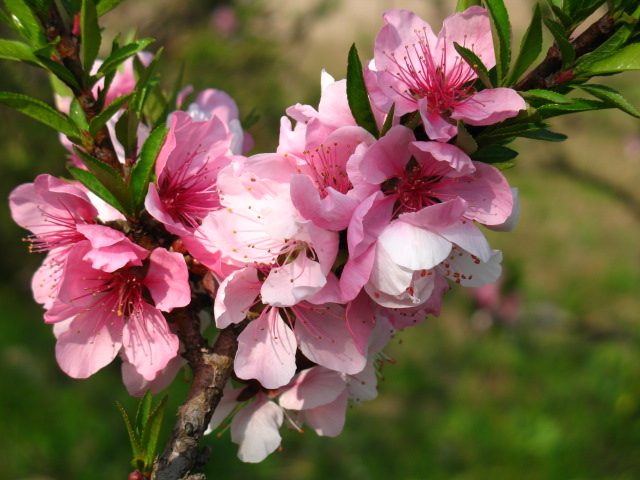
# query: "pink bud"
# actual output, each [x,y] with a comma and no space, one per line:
[136,475]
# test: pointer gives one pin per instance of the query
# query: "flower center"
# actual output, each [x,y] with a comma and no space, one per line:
[188,194]
[327,170]
[426,76]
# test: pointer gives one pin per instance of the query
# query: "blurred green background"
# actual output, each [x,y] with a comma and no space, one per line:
[542,384]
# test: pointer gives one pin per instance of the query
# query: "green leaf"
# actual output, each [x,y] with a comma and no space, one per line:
[250,120]
[15,50]
[577,105]
[612,97]
[623,60]
[25,22]
[77,115]
[151,431]
[135,441]
[147,80]
[502,38]
[144,409]
[143,168]
[566,48]
[609,47]
[494,154]
[562,17]
[108,177]
[93,185]
[388,122]
[474,62]
[357,94]
[40,111]
[509,131]
[530,48]
[91,36]
[121,54]
[547,95]
[103,6]
[127,131]
[464,141]
[546,135]
[462,5]
[59,71]
[109,111]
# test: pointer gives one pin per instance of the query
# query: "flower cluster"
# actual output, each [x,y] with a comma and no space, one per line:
[327,246]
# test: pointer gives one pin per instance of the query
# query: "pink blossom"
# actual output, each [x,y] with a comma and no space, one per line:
[419,71]
[186,169]
[109,312]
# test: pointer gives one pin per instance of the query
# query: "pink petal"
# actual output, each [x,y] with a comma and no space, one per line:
[267,351]
[512,220]
[325,340]
[360,320]
[449,155]
[473,273]
[255,429]
[471,29]
[148,343]
[137,385]
[489,106]
[168,280]
[356,273]
[235,295]
[363,386]
[436,127]
[387,157]
[81,351]
[312,388]
[412,247]
[469,237]
[110,249]
[290,284]
[328,420]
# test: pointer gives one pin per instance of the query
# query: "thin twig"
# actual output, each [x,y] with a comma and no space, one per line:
[548,74]
[212,367]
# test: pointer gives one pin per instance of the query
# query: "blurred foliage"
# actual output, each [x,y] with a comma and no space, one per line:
[552,394]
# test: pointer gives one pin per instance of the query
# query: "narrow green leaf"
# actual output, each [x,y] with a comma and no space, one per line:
[135,442]
[40,111]
[121,54]
[144,409]
[25,22]
[109,111]
[388,122]
[502,38]
[612,97]
[93,185]
[530,48]
[547,95]
[16,50]
[127,131]
[59,71]
[566,48]
[474,62]
[494,154]
[77,115]
[577,105]
[544,134]
[562,17]
[462,5]
[464,140]
[103,6]
[250,120]
[91,36]
[143,169]
[628,58]
[147,80]
[510,131]
[357,94]
[109,178]
[151,431]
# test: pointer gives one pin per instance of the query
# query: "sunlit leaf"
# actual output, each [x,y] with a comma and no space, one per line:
[612,97]
[502,38]
[39,111]
[357,94]
[91,36]
[530,47]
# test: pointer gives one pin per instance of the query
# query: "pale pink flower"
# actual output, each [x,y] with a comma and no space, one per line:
[186,169]
[419,71]
[110,312]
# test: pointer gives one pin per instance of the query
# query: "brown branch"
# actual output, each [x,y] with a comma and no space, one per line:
[212,367]
[548,74]
[68,51]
